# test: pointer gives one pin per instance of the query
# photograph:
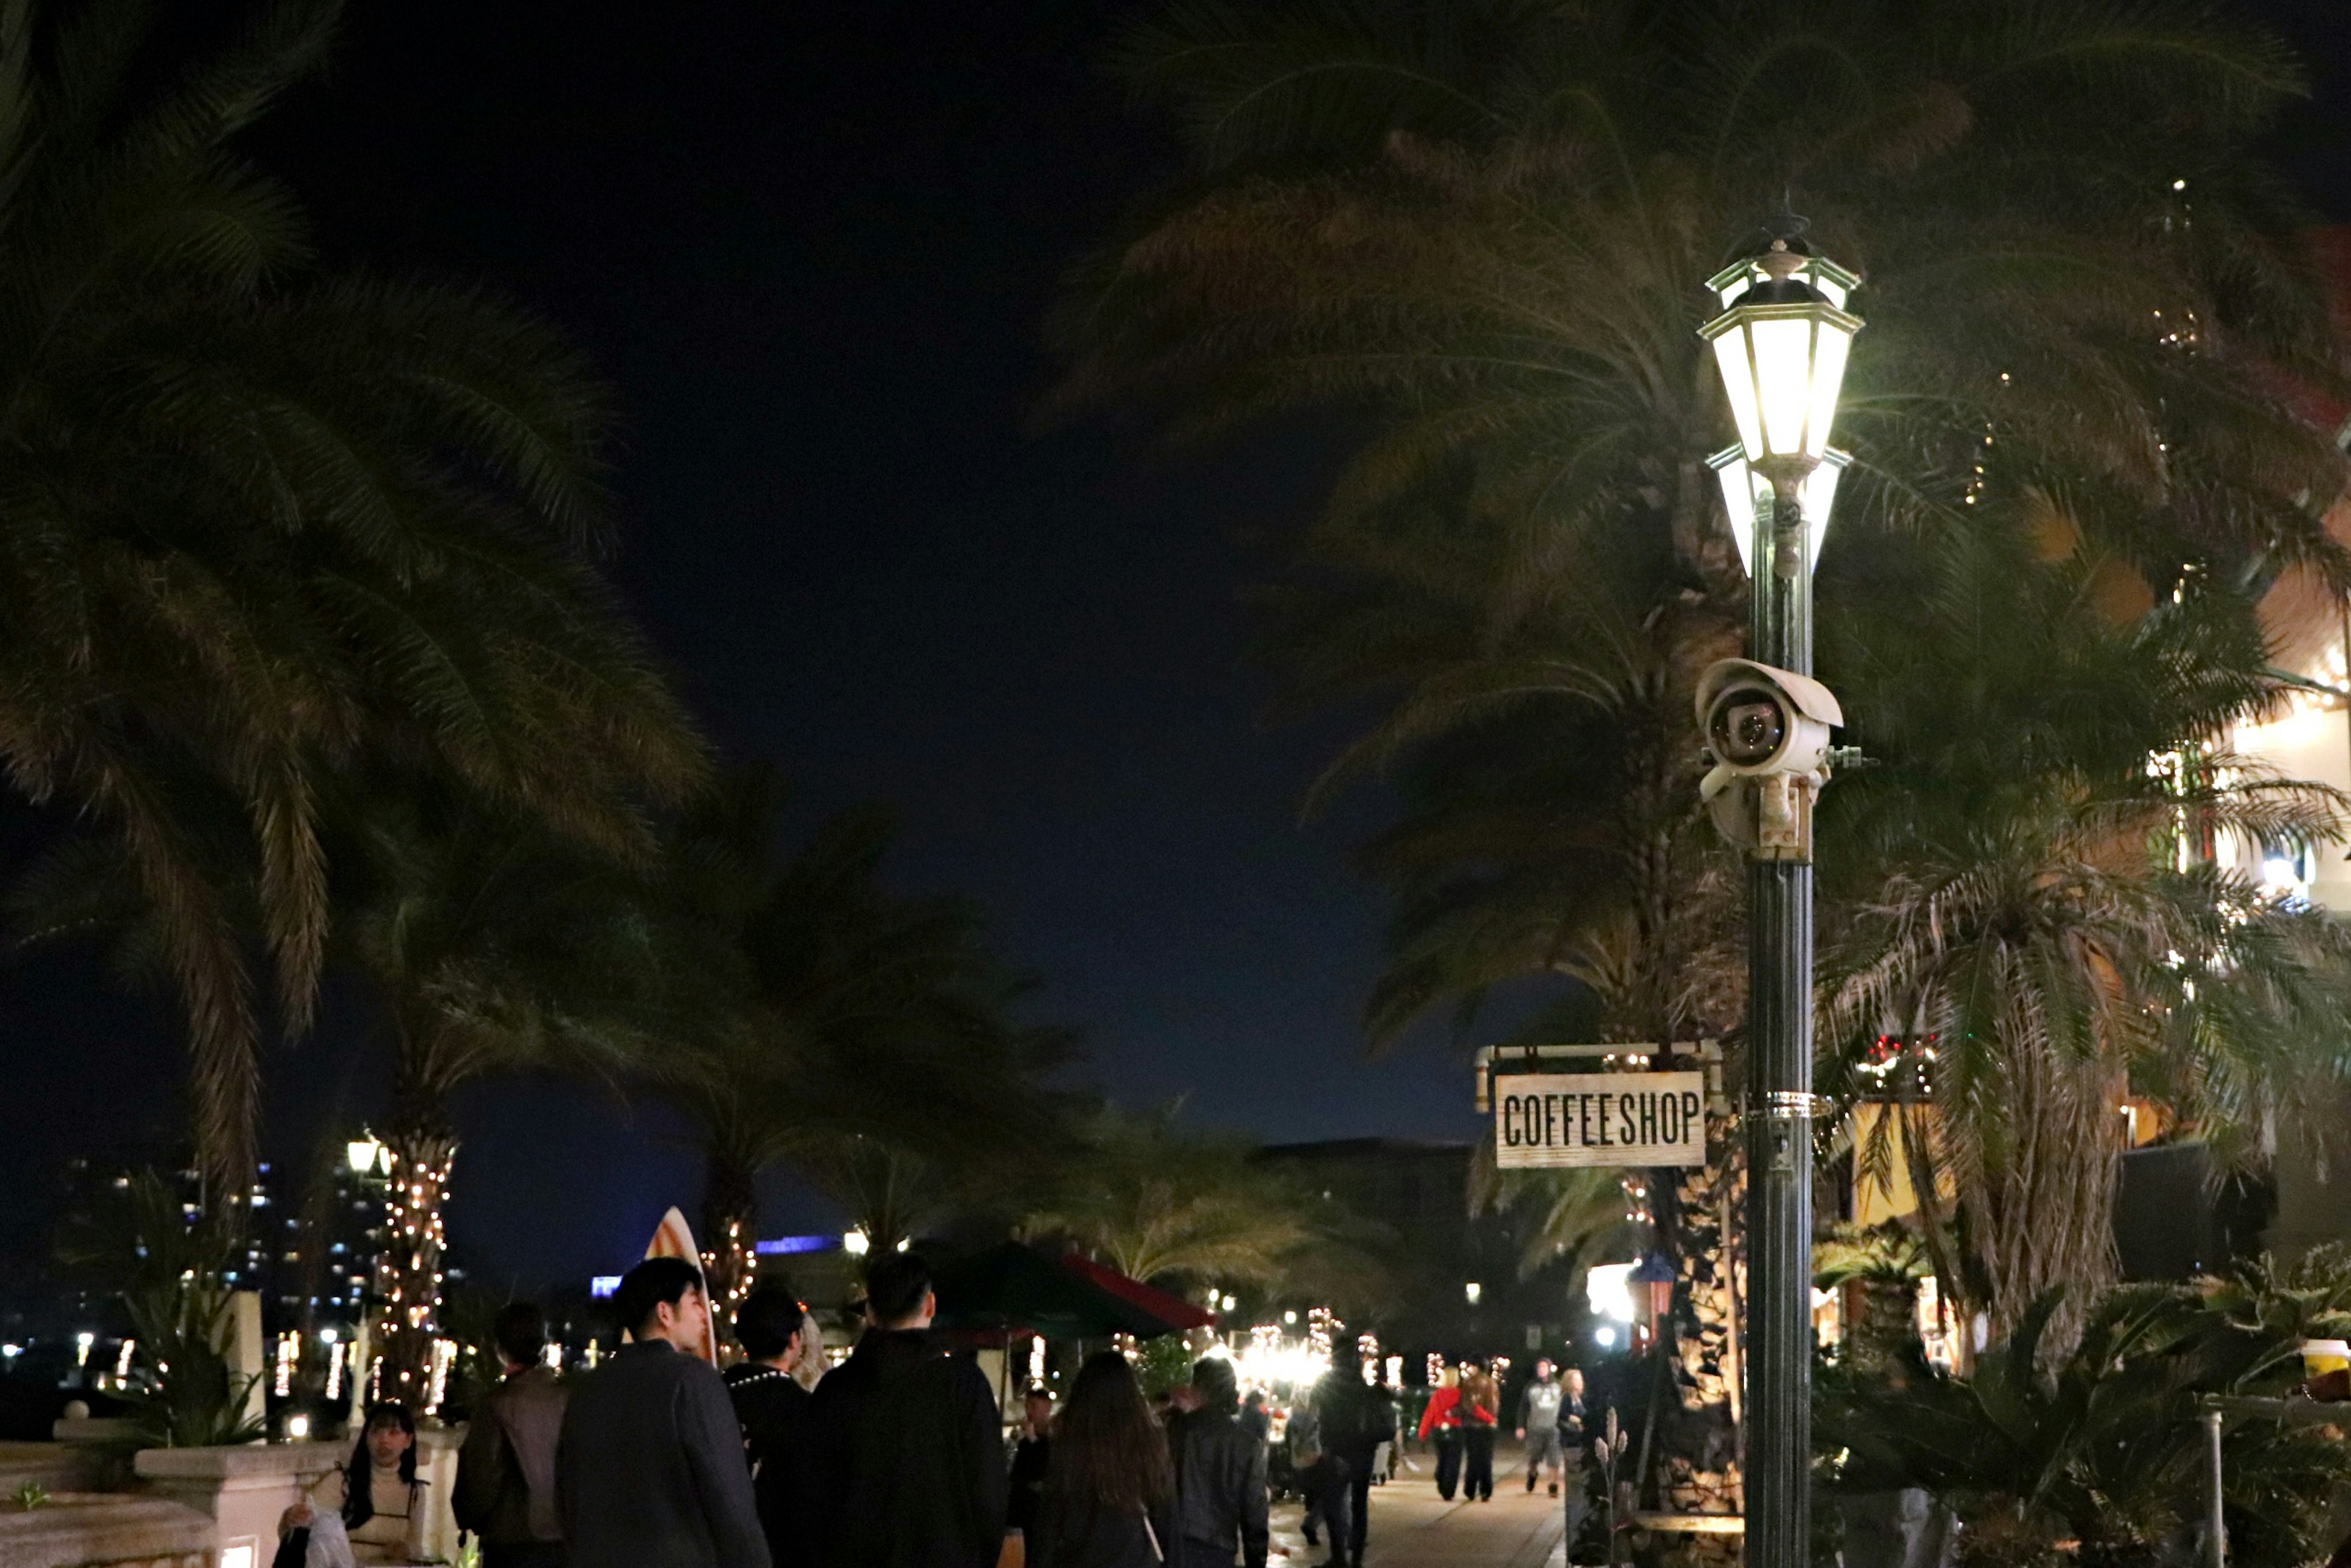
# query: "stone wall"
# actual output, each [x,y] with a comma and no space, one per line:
[84,1530]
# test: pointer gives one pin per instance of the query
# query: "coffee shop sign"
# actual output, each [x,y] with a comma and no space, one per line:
[1549,1120]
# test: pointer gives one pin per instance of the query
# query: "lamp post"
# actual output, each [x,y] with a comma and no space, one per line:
[1781,343]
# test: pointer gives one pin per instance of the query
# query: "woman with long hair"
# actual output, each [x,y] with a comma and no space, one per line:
[1109,1491]
[369,1511]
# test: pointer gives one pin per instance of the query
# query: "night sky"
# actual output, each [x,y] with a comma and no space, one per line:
[815,257]
[813,246]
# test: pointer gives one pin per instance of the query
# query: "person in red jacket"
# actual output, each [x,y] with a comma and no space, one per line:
[1443,1418]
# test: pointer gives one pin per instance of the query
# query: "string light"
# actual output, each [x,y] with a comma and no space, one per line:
[408,1273]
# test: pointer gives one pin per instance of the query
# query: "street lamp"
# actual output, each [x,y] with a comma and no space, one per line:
[363,1152]
[1780,342]
[1746,493]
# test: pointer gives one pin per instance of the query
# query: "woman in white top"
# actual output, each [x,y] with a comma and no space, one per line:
[376,1497]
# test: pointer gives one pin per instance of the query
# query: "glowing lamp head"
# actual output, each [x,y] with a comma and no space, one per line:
[1744,490]
[363,1153]
[856,1243]
[1781,343]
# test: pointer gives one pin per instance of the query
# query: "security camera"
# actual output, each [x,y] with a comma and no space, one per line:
[1758,721]
[1768,730]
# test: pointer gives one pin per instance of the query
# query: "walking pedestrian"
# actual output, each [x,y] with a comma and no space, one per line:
[1033,1456]
[1256,1420]
[372,1510]
[1110,1488]
[505,1472]
[1481,1416]
[1358,1426]
[1220,1502]
[913,1459]
[1441,1421]
[1539,1425]
[651,1473]
[1575,1434]
[1321,1475]
[778,1424]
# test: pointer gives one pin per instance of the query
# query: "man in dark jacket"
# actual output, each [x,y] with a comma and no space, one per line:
[778,1422]
[651,1471]
[505,1472]
[912,1456]
[1219,1475]
[1357,1417]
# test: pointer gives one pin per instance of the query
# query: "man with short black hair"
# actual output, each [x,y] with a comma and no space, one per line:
[1219,1475]
[651,1473]
[778,1422]
[505,1472]
[912,1473]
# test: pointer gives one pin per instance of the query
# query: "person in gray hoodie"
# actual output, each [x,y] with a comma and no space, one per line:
[1538,1426]
[1220,1502]
[650,1472]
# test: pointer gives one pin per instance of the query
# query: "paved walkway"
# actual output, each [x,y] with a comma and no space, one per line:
[1412,1527]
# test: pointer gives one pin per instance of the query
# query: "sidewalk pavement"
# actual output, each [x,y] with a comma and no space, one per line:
[1412,1527]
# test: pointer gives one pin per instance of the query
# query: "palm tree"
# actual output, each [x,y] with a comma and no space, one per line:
[1882,1265]
[1482,233]
[868,1038]
[260,522]
[1159,1204]
[490,944]
[485,943]
[2030,914]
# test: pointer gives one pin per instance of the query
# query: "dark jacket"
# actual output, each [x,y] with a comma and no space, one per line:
[911,1456]
[1066,1535]
[1219,1484]
[1357,1418]
[778,1421]
[651,1473]
[1031,1458]
[505,1472]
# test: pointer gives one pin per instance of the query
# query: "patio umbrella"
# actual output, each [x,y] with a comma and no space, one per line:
[1011,1288]
[1175,1310]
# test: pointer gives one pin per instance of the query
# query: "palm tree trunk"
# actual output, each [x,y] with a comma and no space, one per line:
[2040,1199]
[730,1216]
[408,1267]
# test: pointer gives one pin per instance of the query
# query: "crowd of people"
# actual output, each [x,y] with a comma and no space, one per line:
[896,1459]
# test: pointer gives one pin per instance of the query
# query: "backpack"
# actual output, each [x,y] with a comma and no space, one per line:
[1303,1437]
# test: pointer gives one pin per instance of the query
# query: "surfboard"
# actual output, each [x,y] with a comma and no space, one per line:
[673,1238]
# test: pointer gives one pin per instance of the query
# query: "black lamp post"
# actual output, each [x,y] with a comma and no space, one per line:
[1780,342]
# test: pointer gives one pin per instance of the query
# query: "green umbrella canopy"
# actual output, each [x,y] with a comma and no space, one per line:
[1013,1287]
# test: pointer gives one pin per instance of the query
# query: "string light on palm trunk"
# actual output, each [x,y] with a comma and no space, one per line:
[408,1271]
